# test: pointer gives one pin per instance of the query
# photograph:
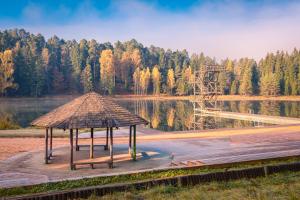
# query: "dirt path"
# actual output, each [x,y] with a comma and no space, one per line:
[12,146]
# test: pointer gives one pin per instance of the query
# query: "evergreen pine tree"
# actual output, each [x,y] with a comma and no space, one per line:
[87,79]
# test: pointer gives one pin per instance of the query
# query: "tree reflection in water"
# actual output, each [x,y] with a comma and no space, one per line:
[155,120]
[179,115]
[270,108]
[168,115]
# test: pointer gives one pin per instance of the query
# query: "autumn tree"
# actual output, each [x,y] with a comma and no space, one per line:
[188,78]
[145,80]
[6,71]
[136,58]
[107,70]
[184,85]
[171,80]
[156,78]
[246,83]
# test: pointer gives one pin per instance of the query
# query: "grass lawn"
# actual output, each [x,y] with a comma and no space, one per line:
[63,185]
[278,186]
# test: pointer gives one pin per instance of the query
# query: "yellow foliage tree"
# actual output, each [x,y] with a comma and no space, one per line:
[145,80]
[6,71]
[171,80]
[107,70]
[229,66]
[136,58]
[130,61]
[156,77]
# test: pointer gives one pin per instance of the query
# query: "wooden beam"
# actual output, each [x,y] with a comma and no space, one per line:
[111,151]
[46,146]
[134,142]
[130,137]
[71,150]
[51,138]
[76,141]
[87,145]
[106,144]
[89,163]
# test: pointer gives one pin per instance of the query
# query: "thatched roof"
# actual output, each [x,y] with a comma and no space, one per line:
[88,111]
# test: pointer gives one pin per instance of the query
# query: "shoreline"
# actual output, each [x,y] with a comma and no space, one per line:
[221,97]
[163,97]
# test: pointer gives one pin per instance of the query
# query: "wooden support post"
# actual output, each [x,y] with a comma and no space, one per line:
[71,150]
[92,144]
[51,137]
[111,151]
[130,137]
[106,144]
[76,141]
[134,142]
[46,146]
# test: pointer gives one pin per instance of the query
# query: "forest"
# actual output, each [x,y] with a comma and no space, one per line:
[30,65]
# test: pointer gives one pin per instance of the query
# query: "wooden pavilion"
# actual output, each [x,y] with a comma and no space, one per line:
[89,111]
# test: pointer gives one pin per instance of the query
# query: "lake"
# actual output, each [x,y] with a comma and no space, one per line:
[175,115]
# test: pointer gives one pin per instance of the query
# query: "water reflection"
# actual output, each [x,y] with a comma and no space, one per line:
[170,117]
[22,111]
[162,115]
[180,116]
